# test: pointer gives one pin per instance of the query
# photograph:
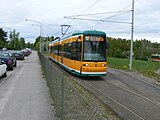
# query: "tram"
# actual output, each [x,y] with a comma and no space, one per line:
[81,52]
[155,57]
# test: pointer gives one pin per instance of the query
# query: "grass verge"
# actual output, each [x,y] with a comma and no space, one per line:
[147,68]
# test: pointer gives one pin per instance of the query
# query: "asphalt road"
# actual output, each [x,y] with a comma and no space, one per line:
[24,94]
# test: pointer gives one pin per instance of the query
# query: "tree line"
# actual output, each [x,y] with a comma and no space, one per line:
[13,41]
[45,42]
[142,49]
[119,48]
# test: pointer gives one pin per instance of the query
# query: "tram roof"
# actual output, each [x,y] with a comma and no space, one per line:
[89,32]
[156,55]
[86,32]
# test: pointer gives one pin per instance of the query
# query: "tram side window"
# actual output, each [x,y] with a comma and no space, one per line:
[61,50]
[54,50]
[51,49]
[73,50]
[76,50]
[79,50]
[67,50]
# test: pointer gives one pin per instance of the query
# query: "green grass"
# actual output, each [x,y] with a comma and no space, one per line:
[148,68]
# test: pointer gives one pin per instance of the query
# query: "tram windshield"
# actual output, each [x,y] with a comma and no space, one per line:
[155,57]
[94,48]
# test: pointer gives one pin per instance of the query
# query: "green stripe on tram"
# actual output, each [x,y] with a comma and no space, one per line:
[89,32]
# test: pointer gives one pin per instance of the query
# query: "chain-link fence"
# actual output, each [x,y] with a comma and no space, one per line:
[71,100]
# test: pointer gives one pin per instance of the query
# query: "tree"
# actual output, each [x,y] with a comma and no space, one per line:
[22,43]
[14,40]
[142,49]
[51,38]
[45,42]
[118,47]
[36,43]
[29,45]
[3,38]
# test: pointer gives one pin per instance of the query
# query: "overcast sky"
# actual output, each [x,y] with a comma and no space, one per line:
[51,14]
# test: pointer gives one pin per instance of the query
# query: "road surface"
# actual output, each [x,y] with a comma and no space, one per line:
[24,94]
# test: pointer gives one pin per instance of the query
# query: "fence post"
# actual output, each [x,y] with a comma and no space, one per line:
[62,100]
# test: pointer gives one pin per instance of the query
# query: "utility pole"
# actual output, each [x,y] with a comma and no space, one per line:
[132,31]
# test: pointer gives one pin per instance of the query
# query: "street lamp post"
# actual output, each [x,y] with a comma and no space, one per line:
[40,46]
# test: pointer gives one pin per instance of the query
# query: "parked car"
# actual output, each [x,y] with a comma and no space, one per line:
[9,60]
[12,57]
[26,52]
[19,55]
[3,69]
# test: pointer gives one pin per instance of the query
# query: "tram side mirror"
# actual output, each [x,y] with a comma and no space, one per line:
[79,37]
[76,42]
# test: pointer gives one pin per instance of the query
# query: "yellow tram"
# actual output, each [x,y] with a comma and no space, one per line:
[81,52]
[155,57]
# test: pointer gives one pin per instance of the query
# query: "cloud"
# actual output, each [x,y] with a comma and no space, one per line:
[50,13]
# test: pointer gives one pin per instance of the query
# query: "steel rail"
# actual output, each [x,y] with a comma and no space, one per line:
[154,86]
[138,95]
[115,101]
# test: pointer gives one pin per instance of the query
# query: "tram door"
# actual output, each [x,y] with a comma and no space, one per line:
[61,59]
[61,53]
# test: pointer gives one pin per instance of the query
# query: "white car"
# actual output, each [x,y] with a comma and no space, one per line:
[3,69]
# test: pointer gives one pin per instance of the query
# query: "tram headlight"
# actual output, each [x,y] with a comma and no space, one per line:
[85,64]
[103,65]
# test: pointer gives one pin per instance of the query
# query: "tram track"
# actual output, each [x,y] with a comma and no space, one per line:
[117,102]
[148,90]
[89,84]
[127,101]
[138,94]
[142,81]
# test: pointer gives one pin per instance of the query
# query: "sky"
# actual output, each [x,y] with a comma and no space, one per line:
[54,13]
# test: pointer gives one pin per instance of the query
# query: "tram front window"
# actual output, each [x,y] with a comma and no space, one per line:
[94,48]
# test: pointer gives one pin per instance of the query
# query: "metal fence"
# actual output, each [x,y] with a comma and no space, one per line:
[71,100]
